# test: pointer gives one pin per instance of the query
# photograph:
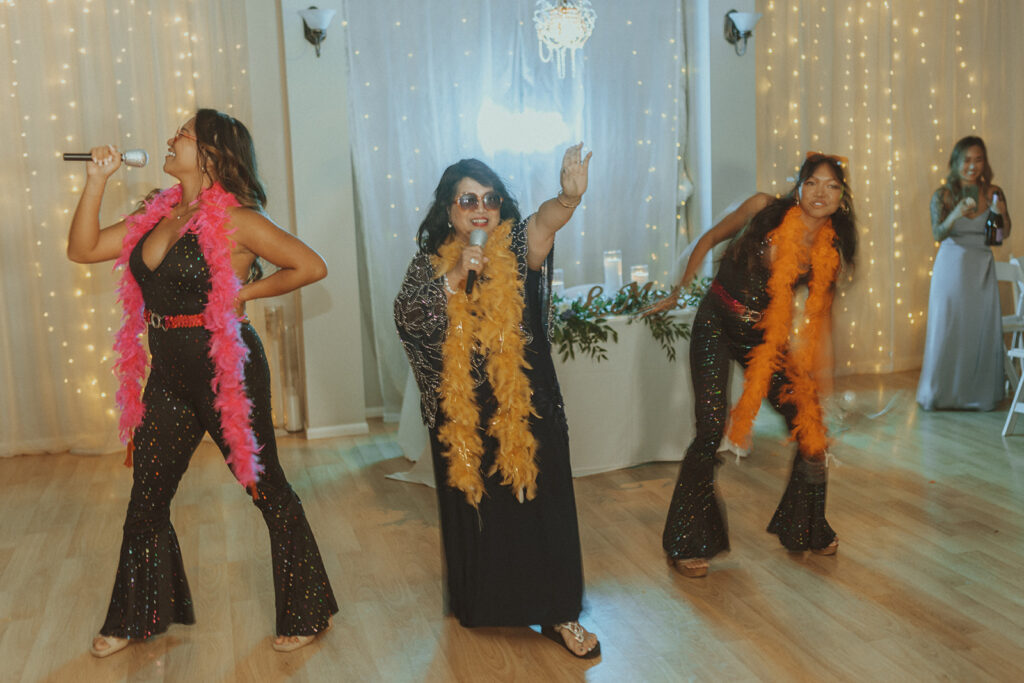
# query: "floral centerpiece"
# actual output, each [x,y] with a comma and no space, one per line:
[582,325]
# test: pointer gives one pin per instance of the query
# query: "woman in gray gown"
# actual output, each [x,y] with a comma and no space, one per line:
[963,351]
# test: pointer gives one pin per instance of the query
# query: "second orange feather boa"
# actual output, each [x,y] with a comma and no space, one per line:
[799,361]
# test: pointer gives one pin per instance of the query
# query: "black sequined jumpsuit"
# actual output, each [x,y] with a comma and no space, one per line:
[696,525]
[150,590]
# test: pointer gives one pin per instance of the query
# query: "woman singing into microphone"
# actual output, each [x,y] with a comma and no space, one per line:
[189,259]
[491,400]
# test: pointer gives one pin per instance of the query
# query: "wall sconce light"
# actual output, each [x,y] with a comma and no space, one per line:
[314,24]
[740,26]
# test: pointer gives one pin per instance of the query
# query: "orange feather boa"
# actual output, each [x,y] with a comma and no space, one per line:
[801,361]
[487,322]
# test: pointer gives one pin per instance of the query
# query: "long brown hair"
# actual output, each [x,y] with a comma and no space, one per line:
[954,190]
[744,249]
[226,147]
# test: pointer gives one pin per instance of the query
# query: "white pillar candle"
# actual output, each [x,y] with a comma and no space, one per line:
[639,275]
[612,272]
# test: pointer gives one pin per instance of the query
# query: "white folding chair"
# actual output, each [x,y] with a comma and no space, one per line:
[1013,324]
[1017,405]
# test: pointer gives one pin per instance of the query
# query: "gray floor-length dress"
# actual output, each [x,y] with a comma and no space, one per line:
[963,351]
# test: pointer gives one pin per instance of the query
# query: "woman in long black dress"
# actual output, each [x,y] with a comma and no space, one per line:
[805,237]
[185,256]
[490,398]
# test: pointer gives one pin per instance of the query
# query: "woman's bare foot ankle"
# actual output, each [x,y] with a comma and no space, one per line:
[292,643]
[104,646]
[573,637]
[572,642]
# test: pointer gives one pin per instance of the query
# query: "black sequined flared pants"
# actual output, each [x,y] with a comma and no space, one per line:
[150,589]
[696,525]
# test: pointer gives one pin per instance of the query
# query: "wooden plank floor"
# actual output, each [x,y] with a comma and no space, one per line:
[927,584]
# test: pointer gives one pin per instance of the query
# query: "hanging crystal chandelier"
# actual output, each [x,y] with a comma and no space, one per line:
[563,26]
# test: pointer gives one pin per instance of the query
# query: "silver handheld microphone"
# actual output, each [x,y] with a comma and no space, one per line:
[131,157]
[477,238]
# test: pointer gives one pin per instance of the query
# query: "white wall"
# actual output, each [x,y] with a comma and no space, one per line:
[300,123]
[722,151]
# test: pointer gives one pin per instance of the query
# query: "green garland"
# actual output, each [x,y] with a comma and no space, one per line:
[582,326]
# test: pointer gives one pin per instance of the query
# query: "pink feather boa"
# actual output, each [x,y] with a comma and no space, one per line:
[229,355]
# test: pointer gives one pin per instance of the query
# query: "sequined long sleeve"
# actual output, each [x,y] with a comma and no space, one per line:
[937,208]
[421,315]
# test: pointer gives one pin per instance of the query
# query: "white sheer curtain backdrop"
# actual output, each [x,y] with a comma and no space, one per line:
[432,83]
[76,74]
[892,85]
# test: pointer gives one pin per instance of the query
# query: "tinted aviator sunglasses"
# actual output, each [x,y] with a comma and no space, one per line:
[470,201]
[181,133]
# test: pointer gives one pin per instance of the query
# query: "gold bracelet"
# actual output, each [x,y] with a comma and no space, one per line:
[564,200]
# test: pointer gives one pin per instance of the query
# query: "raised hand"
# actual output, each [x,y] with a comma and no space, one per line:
[574,171]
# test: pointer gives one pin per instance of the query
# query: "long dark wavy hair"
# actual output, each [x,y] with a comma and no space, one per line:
[954,191]
[435,228]
[745,249]
[226,147]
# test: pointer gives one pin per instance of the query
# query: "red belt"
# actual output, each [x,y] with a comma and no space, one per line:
[171,322]
[745,314]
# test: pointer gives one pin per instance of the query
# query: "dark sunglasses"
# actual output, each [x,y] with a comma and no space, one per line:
[470,201]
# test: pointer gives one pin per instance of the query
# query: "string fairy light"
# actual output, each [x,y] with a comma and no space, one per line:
[658,120]
[862,102]
[75,316]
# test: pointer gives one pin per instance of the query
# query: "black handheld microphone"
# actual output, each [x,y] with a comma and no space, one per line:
[131,157]
[477,238]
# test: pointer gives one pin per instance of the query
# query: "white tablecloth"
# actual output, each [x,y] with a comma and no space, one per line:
[632,408]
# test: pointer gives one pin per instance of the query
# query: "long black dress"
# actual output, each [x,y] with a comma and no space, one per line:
[695,525]
[507,563]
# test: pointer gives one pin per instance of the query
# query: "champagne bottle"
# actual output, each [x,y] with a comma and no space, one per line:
[994,224]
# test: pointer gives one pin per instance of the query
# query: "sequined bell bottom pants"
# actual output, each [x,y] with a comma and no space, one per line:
[696,524]
[150,589]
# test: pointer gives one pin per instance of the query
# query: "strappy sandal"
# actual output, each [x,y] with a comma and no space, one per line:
[691,568]
[574,628]
[289,645]
[830,549]
[113,644]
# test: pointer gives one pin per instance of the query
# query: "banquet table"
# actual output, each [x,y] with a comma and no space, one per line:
[636,406]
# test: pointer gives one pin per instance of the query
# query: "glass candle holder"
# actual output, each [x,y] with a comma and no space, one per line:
[639,274]
[558,281]
[612,272]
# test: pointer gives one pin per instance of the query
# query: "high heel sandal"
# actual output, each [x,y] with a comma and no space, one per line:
[830,549]
[578,634]
[113,644]
[691,568]
[289,645]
